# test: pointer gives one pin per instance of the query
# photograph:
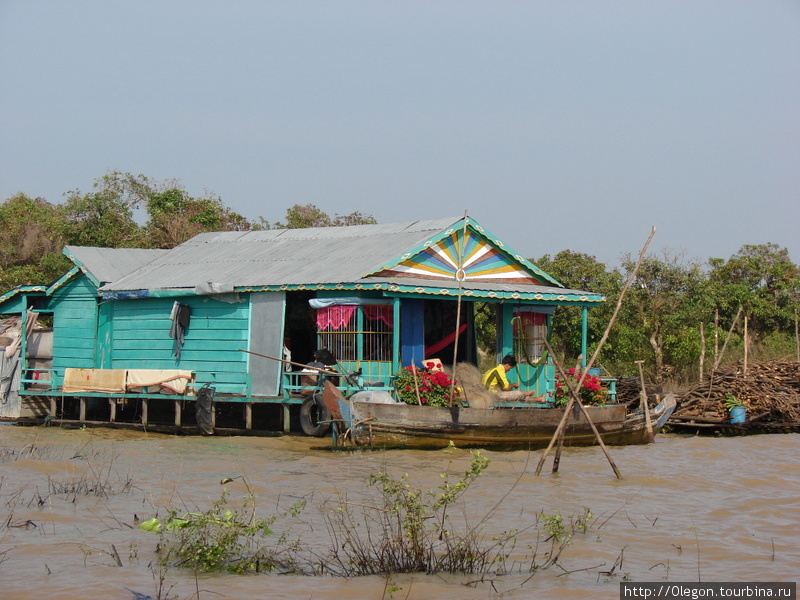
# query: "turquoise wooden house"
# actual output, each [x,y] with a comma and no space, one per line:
[226,305]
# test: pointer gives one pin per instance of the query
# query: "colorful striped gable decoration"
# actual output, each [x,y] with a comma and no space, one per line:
[483,261]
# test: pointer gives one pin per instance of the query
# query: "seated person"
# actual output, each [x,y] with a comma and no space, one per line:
[321,359]
[496,382]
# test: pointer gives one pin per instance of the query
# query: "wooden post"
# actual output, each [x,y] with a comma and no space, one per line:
[144,411]
[286,424]
[745,346]
[702,351]
[460,277]
[796,337]
[643,396]
[248,415]
[53,407]
[178,413]
[112,407]
[82,412]
[573,391]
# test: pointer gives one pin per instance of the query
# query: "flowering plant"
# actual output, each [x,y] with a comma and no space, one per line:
[591,392]
[434,387]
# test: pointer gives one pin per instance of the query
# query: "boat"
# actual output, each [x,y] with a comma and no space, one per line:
[518,426]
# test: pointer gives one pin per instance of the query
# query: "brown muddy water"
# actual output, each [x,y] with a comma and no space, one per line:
[686,509]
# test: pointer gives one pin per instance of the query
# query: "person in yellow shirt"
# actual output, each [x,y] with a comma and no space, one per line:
[496,381]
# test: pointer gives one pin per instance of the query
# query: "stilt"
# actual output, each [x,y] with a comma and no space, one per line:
[112,410]
[177,413]
[144,411]
[248,415]
[82,415]
[286,424]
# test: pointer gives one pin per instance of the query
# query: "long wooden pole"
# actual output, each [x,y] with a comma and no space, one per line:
[746,343]
[573,393]
[643,396]
[702,351]
[573,401]
[560,441]
[288,362]
[460,276]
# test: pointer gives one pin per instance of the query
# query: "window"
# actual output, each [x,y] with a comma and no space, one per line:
[530,331]
[357,332]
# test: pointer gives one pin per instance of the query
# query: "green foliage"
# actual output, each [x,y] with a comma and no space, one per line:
[411,530]
[431,387]
[33,233]
[301,216]
[764,281]
[223,539]
[581,272]
[591,391]
[732,401]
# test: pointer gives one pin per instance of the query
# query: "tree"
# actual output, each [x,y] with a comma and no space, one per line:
[301,216]
[174,217]
[31,241]
[581,272]
[666,300]
[764,281]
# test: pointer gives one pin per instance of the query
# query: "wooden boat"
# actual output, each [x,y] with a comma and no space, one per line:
[520,427]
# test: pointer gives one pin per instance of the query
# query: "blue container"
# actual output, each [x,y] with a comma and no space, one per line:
[596,371]
[738,414]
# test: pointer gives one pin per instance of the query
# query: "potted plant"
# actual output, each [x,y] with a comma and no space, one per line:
[426,387]
[591,392]
[737,409]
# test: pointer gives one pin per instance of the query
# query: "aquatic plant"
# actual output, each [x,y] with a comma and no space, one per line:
[223,538]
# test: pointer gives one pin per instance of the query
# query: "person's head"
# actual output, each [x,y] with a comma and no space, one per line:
[509,362]
[324,356]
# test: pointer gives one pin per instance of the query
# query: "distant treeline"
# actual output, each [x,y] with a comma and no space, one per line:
[677,316]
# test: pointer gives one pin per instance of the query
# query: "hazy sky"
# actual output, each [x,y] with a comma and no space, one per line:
[557,124]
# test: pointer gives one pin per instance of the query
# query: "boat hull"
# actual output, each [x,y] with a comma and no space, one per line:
[402,425]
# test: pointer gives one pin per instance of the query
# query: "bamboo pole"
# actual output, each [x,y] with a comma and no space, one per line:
[573,392]
[643,396]
[573,401]
[745,346]
[560,441]
[727,338]
[702,351]
[460,276]
[288,362]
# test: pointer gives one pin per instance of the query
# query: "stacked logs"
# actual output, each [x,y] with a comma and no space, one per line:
[770,390]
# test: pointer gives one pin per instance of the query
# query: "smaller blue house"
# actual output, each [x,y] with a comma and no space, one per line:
[226,306]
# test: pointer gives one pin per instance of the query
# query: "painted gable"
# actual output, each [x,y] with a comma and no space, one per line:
[484,260]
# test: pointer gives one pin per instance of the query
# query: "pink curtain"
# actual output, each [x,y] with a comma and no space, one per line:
[379,313]
[336,317]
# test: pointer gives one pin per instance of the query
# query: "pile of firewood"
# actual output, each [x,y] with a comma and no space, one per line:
[770,390]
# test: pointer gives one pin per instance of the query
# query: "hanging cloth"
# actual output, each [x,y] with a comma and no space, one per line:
[180,316]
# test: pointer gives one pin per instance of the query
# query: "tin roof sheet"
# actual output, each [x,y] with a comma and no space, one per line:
[111,264]
[320,255]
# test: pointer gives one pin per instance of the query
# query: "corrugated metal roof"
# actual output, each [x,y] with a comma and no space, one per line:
[111,264]
[281,257]
[509,287]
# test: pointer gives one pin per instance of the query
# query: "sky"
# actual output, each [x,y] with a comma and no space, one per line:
[559,124]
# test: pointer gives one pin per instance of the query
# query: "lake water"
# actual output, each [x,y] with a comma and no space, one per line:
[687,509]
